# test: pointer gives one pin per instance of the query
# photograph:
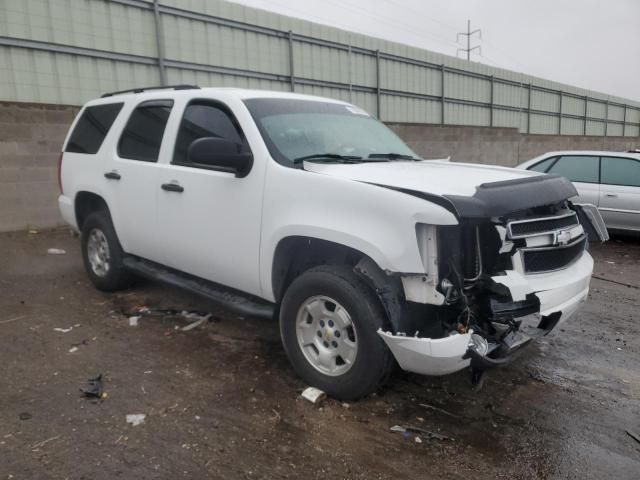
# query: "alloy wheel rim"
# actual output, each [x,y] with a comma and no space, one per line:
[98,252]
[326,335]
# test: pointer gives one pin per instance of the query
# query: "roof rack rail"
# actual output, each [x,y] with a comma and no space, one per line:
[144,89]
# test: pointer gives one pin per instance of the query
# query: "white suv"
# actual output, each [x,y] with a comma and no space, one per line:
[310,210]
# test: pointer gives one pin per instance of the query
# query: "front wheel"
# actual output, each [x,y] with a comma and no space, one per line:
[328,322]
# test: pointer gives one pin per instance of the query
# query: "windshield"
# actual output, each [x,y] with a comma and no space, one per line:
[295,129]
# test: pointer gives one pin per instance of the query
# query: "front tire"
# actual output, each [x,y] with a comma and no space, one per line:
[328,322]
[102,254]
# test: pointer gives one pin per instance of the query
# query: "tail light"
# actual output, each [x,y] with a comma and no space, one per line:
[60,172]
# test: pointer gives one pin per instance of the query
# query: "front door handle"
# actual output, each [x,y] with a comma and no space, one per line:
[112,176]
[611,195]
[172,187]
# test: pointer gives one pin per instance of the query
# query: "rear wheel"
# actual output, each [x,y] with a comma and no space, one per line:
[102,253]
[328,321]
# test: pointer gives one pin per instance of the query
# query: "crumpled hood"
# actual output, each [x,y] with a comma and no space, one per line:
[436,177]
[467,190]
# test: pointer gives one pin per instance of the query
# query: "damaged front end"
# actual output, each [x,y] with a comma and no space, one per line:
[498,283]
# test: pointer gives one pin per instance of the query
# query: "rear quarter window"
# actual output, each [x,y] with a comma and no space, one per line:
[142,136]
[92,127]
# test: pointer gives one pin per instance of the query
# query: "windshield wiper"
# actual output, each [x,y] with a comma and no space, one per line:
[328,156]
[394,156]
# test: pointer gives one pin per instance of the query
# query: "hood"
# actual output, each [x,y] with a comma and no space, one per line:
[433,176]
[468,190]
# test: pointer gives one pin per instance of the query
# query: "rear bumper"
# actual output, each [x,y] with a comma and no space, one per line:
[67,210]
[560,294]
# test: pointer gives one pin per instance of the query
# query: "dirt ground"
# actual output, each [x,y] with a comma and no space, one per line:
[222,402]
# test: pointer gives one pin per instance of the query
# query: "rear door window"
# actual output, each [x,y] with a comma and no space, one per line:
[142,136]
[92,127]
[577,168]
[620,171]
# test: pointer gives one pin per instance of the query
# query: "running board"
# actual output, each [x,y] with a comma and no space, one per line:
[228,298]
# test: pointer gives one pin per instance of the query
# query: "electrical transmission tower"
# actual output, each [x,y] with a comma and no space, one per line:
[469,34]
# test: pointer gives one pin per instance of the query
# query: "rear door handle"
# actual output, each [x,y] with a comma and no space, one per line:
[172,187]
[112,176]
[611,195]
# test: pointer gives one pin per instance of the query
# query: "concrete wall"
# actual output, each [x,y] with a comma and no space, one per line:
[500,146]
[31,136]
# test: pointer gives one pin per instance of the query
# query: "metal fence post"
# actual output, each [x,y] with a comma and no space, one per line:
[159,42]
[529,111]
[586,107]
[292,78]
[378,84]
[350,73]
[442,97]
[491,104]
[560,115]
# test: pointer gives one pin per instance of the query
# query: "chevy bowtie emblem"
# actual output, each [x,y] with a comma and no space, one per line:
[563,237]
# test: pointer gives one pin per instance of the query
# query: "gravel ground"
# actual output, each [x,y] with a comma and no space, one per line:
[222,402]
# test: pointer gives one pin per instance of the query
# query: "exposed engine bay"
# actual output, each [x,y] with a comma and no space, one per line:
[500,283]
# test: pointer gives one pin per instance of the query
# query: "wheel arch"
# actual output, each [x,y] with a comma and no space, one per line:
[87,202]
[296,254]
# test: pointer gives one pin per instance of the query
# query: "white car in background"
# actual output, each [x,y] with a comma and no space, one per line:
[609,180]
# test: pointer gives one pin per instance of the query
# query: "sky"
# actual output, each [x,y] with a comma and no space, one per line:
[593,44]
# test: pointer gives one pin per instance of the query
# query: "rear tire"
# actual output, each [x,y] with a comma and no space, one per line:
[102,253]
[328,322]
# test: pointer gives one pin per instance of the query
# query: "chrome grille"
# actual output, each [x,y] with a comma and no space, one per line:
[541,225]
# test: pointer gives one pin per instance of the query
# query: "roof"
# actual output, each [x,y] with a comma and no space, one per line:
[154,93]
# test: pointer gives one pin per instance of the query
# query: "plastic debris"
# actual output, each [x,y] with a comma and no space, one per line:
[94,390]
[73,349]
[408,429]
[63,330]
[56,251]
[197,323]
[136,419]
[417,440]
[313,395]
[200,317]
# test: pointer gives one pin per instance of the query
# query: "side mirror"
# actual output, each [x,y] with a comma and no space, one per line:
[222,153]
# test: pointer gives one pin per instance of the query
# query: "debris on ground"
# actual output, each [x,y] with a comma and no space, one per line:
[417,440]
[13,319]
[199,316]
[94,390]
[313,395]
[56,251]
[201,320]
[66,330]
[73,349]
[25,416]
[633,435]
[136,419]
[44,442]
[407,429]
[441,410]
